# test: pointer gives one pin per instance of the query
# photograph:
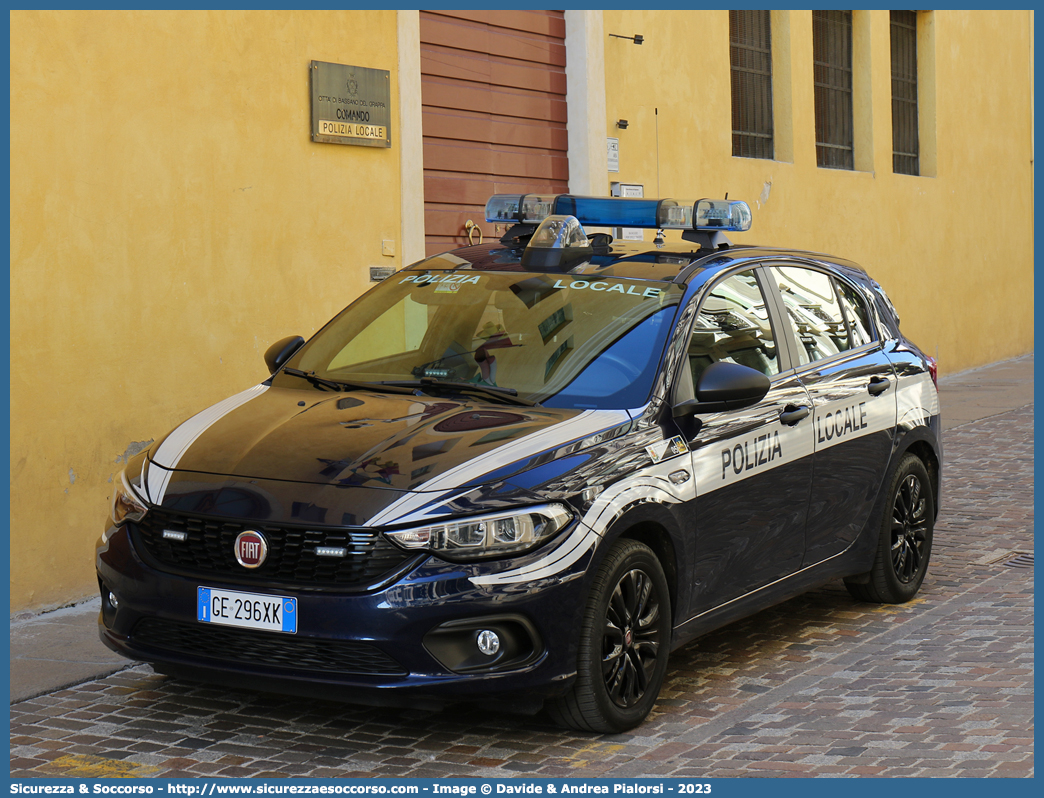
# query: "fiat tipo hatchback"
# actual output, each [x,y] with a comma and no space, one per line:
[533,468]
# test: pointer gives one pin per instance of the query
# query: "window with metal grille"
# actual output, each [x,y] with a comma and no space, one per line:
[905,150]
[832,65]
[750,54]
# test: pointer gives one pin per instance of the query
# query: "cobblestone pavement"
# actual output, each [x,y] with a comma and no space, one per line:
[819,686]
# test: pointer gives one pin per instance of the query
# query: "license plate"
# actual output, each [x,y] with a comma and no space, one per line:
[246,610]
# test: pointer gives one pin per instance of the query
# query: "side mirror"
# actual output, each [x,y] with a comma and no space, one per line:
[725,386]
[281,351]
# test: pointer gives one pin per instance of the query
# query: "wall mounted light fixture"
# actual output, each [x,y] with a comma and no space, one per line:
[622,124]
[637,38]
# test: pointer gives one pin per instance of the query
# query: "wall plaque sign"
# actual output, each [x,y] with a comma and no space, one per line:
[351,105]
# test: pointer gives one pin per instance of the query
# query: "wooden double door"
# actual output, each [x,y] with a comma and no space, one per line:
[493,89]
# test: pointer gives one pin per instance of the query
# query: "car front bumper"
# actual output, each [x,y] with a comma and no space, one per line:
[415,637]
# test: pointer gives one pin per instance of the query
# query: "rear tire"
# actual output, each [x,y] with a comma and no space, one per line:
[905,541]
[625,640]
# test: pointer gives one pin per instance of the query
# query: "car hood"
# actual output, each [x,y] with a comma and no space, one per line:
[364,439]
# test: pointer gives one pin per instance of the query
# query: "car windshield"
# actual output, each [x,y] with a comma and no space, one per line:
[559,340]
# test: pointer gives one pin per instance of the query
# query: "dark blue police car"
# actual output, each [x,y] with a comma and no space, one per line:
[535,467]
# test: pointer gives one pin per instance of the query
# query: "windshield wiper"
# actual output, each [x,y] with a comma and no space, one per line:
[342,385]
[509,395]
[313,378]
[426,384]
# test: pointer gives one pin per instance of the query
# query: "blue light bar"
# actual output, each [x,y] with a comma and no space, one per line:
[653,214]
[608,211]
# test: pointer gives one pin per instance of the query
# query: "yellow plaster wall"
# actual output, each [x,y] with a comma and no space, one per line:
[170,218]
[954,251]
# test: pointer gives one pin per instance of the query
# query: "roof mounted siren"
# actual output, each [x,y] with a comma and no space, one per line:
[559,241]
[702,222]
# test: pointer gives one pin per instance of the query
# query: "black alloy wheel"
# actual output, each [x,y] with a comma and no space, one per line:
[630,641]
[625,639]
[905,540]
[909,529]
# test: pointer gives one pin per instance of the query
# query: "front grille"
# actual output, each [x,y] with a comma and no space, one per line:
[291,561]
[260,648]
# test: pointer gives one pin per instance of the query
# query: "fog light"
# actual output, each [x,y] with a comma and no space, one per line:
[113,601]
[488,642]
[485,644]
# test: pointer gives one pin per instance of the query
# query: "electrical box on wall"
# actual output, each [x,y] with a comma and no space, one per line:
[627,190]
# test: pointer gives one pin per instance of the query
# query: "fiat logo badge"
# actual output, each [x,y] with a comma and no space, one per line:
[250,549]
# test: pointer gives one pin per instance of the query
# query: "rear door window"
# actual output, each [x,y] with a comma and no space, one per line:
[814,311]
[855,311]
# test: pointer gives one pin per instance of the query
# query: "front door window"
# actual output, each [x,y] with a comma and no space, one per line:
[734,326]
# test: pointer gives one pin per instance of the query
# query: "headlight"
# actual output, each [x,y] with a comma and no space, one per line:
[487,535]
[126,504]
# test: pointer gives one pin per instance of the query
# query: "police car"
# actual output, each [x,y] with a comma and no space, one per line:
[534,467]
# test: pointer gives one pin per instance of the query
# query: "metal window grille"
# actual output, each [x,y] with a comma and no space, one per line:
[832,65]
[905,149]
[750,55]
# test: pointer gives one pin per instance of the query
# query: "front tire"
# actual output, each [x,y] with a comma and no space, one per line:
[905,542]
[625,641]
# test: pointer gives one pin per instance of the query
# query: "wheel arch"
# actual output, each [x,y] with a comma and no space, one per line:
[927,455]
[918,442]
[650,525]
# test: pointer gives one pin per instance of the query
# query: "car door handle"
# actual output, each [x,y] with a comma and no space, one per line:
[792,415]
[878,385]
